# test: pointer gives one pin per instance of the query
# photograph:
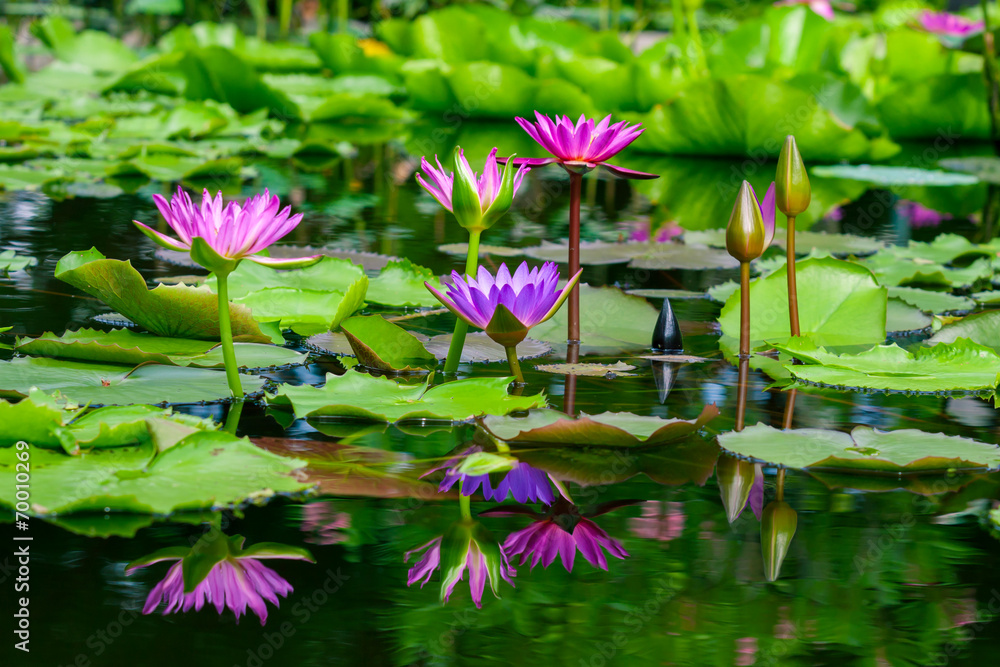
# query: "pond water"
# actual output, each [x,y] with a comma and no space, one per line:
[881,570]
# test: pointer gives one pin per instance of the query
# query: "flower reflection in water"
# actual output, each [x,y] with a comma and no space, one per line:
[662,521]
[218,571]
[561,532]
[521,480]
[324,523]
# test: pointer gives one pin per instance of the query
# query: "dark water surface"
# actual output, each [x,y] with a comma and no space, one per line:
[903,573]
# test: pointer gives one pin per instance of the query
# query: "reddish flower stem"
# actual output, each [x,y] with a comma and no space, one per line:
[573,304]
[793,297]
[744,309]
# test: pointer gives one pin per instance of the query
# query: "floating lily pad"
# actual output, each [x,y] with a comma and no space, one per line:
[592,253]
[666,293]
[840,303]
[358,396]
[590,370]
[901,317]
[462,250]
[479,348]
[107,384]
[609,429]
[11,261]
[985,168]
[305,311]
[982,328]
[401,283]
[894,176]
[328,274]
[891,270]
[610,322]
[806,242]
[944,249]
[123,346]
[174,311]
[665,256]
[863,450]
[369,261]
[958,366]
[208,469]
[932,302]
[384,346]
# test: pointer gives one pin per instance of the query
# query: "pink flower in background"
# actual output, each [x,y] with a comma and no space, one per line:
[233,231]
[640,232]
[324,523]
[440,183]
[949,25]
[822,7]
[659,521]
[919,215]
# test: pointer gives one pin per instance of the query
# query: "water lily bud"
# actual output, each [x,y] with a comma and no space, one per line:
[503,197]
[792,181]
[667,331]
[745,232]
[735,478]
[465,201]
[777,528]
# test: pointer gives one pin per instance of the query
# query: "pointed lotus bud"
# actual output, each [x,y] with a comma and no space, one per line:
[745,233]
[735,478]
[465,201]
[667,332]
[777,528]
[664,375]
[793,191]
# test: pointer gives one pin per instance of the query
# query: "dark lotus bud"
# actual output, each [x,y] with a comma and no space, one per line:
[791,182]
[667,332]
[777,528]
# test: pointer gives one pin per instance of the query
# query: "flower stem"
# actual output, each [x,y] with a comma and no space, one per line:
[226,336]
[793,297]
[515,365]
[461,326]
[464,504]
[233,416]
[744,309]
[573,304]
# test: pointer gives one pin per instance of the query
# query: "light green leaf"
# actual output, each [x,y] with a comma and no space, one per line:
[982,328]
[932,302]
[893,176]
[384,346]
[401,283]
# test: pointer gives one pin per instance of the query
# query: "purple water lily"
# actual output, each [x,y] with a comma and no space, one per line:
[440,183]
[530,296]
[237,580]
[582,146]
[233,231]
[949,25]
[473,551]
[522,481]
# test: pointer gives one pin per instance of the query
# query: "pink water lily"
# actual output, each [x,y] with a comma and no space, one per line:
[582,146]
[238,580]
[822,7]
[233,231]
[440,183]
[531,297]
[949,25]
[768,212]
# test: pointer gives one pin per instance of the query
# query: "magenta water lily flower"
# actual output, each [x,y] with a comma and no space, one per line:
[507,306]
[582,146]
[919,215]
[232,231]
[466,547]
[440,183]
[237,579]
[949,25]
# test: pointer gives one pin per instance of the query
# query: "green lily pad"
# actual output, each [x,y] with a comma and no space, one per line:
[123,346]
[609,429]
[944,249]
[592,253]
[589,370]
[108,384]
[384,346]
[479,348]
[208,469]
[959,366]
[806,242]
[863,450]
[305,311]
[840,303]
[893,176]
[358,396]
[666,293]
[932,302]
[401,283]
[369,261]
[982,328]
[11,261]
[610,322]
[174,311]
[985,168]
[677,256]
[891,270]
[901,317]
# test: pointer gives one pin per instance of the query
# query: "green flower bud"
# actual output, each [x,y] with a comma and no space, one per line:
[745,232]
[777,528]
[465,202]
[792,181]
